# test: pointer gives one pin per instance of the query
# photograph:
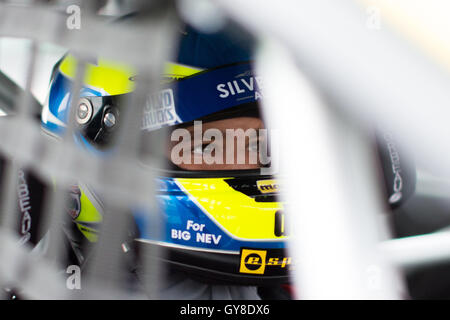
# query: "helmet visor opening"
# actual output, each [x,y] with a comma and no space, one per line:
[231,140]
[209,122]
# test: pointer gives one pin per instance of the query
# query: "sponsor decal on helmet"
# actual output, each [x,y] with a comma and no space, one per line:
[267,186]
[253,261]
[196,232]
[257,261]
[244,84]
[159,110]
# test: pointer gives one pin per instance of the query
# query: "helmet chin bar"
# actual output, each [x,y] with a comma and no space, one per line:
[224,268]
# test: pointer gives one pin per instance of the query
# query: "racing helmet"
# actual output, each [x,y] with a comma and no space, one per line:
[224,224]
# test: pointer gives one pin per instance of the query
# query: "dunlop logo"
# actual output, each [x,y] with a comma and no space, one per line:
[267,186]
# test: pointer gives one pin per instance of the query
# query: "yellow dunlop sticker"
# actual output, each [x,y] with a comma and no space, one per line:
[253,261]
[267,186]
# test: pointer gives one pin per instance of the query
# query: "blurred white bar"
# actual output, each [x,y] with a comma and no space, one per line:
[432,185]
[414,252]
[373,76]
[329,180]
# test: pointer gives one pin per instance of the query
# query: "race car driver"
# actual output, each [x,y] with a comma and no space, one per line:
[226,239]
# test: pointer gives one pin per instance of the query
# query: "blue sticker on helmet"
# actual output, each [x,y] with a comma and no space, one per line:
[193,228]
[216,90]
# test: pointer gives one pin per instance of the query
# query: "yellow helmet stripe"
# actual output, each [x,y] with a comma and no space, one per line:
[178,71]
[239,214]
[112,77]
[89,213]
[117,78]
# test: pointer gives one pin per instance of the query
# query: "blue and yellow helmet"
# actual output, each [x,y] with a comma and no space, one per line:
[223,225]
